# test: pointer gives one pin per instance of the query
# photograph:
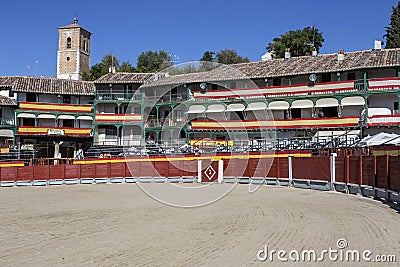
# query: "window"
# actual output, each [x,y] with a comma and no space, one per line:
[68,58]
[396,107]
[296,113]
[136,110]
[326,77]
[351,76]
[68,42]
[68,123]
[85,45]
[111,132]
[67,99]
[30,97]
[277,81]
[11,93]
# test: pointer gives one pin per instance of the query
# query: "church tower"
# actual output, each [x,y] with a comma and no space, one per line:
[73,55]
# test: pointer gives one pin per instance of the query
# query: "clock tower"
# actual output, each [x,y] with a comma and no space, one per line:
[73,55]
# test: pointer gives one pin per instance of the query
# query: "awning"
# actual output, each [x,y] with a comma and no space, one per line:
[26,115]
[215,108]
[256,106]
[46,116]
[305,103]
[353,101]
[66,117]
[235,107]
[86,118]
[327,102]
[278,105]
[195,109]
[6,133]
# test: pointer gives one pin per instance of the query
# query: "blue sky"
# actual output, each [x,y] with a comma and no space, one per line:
[182,28]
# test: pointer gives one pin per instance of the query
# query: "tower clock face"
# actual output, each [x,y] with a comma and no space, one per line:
[69,33]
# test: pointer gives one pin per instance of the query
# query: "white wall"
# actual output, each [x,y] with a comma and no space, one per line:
[7,113]
[351,111]
[84,124]
[382,101]
[106,108]
[48,98]
[46,122]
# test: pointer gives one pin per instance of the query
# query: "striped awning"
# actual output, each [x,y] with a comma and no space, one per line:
[46,116]
[305,103]
[353,101]
[278,105]
[86,118]
[26,115]
[327,102]
[195,109]
[256,106]
[235,107]
[215,108]
[66,117]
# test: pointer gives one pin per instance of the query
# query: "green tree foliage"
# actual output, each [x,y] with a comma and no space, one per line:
[300,42]
[99,69]
[393,31]
[153,61]
[126,67]
[229,56]
[208,56]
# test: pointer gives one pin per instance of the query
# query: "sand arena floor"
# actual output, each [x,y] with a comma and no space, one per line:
[119,225]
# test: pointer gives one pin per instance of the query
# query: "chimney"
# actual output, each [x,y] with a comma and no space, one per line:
[340,55]
[287,53]
[377,45]
[266,56]
[314,52]
[112,69]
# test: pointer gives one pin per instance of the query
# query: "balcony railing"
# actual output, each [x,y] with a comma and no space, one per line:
[151,123]
[119,96]
[165,98]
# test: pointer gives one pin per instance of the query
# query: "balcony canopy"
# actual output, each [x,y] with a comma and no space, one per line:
[66,117]
[195,109]
[278,105]
[235,107]
[26,115]
[215,108]
[256,106]
[46,116]
[353,101]
[327,102]
[86,118]
[306,103]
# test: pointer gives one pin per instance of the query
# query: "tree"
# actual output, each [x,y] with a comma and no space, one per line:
[300,42]
[150,61]
[229,56]
[208,56]
[126,67]
[393,31]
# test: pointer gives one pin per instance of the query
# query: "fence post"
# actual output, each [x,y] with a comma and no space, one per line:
[290,166]
[220,171]
[361,170]
[199,171]
[333,169]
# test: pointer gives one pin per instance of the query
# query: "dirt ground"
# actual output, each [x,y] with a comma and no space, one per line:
[119,225]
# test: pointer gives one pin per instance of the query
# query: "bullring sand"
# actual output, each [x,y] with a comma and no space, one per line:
[119,225]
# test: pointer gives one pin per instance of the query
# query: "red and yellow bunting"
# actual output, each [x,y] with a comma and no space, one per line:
[118,118]
[11,164]
[31,130]
[276,124]
[55,107]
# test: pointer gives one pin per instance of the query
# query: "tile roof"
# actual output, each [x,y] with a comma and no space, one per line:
[367,59]
[47,85]
[124,77]
[6,101]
